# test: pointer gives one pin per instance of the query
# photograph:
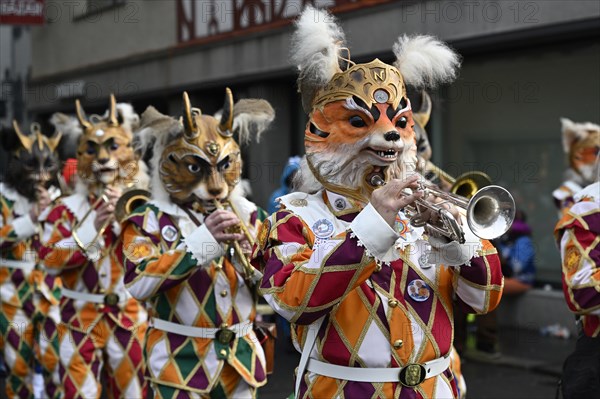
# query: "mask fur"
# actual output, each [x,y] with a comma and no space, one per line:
[581,144]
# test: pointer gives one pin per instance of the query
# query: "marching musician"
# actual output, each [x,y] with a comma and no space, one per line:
[103,324]
[29,297]
[370,294]
[184,256]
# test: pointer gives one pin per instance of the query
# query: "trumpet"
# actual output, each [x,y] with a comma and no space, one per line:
[249,271]
[489,212]
[465,185]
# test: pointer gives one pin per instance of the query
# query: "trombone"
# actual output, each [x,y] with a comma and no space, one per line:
[489,212]
[249,271]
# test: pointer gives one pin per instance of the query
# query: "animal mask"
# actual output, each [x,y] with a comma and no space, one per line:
[361,120]
[105,154]
[197,159]
[33,159]
[581,143]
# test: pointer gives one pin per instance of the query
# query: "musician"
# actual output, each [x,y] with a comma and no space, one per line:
[369,294]
[178,254]
[104,325]
[28,296]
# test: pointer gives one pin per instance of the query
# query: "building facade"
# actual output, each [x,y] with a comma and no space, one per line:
[526,64]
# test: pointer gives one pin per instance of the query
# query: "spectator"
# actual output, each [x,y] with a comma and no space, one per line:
[287,178]
[518,256]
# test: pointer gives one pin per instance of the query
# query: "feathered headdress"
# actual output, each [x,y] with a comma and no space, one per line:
[319,51]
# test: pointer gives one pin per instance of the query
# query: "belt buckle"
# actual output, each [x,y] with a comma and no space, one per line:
[111,299]
[224,335]
[412,374]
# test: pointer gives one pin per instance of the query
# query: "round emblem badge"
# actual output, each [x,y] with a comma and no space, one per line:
[340,204]
[381,96]
[299,202]
[169,233]
[418,290]
[323,228]
[401,226]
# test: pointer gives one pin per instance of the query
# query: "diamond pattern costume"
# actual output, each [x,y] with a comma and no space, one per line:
[103,325]
[186,277]
[578,237]
[29,300]
[373,315]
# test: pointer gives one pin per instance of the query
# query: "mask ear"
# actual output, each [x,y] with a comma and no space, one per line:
[81,116]
[570,134]
[26,141]
[227,115]
[423,114]
[8,139]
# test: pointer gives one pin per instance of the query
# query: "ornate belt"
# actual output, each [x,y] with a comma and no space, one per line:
[224,334]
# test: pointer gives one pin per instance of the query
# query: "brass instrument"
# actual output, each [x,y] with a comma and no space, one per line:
[489,212]
[465,185]
[249,271]
[93,207]
[130,200]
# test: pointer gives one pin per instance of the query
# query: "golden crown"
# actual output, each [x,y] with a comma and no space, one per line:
[374,82]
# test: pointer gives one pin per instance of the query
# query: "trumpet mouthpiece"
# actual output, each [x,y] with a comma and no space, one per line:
[376,180]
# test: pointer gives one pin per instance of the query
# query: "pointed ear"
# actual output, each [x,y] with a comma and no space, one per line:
[226,122]
[424,113]
[54,140]
[81,116]
[188,118]
[26,141]
[570,134]
[112,114]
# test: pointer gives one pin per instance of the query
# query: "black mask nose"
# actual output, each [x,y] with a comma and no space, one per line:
[102,161]
[391,136]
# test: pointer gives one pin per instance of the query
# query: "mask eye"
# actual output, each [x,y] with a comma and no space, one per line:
[401,123]
[194,168]
[90,150]
[357,121]
[114,146]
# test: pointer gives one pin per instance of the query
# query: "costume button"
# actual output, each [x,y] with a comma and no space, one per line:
[223,352]
[377,268]
[223,293]
[398,344]
[102,274]
[393,303]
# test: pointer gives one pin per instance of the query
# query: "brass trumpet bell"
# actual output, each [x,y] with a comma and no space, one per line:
[467,184]
[129,201]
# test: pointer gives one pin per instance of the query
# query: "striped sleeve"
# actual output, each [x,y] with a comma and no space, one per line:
[13,231]
[152,265]
[304,278]
[58,250]
[578,236]
[479,285]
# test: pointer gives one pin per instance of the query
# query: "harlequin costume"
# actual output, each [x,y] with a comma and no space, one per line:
[28,295]
[200,342]
[581,145]
[103,324]
[372,305]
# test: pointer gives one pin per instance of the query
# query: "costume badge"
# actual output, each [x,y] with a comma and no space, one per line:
[418,290]
[169,233]
[298,202]
[340,204]
[323,228]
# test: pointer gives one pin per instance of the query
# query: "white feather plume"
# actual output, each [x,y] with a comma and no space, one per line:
[251,117]
[425,61]
[314,50]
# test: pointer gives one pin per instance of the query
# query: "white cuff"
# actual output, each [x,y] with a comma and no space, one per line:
[375,234]
[86,234]
[203,246]
[24,226]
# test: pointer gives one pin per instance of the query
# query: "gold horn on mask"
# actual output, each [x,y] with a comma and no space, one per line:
[112,114]
[190,130]
[227,116]
[25,140]
[81,116]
